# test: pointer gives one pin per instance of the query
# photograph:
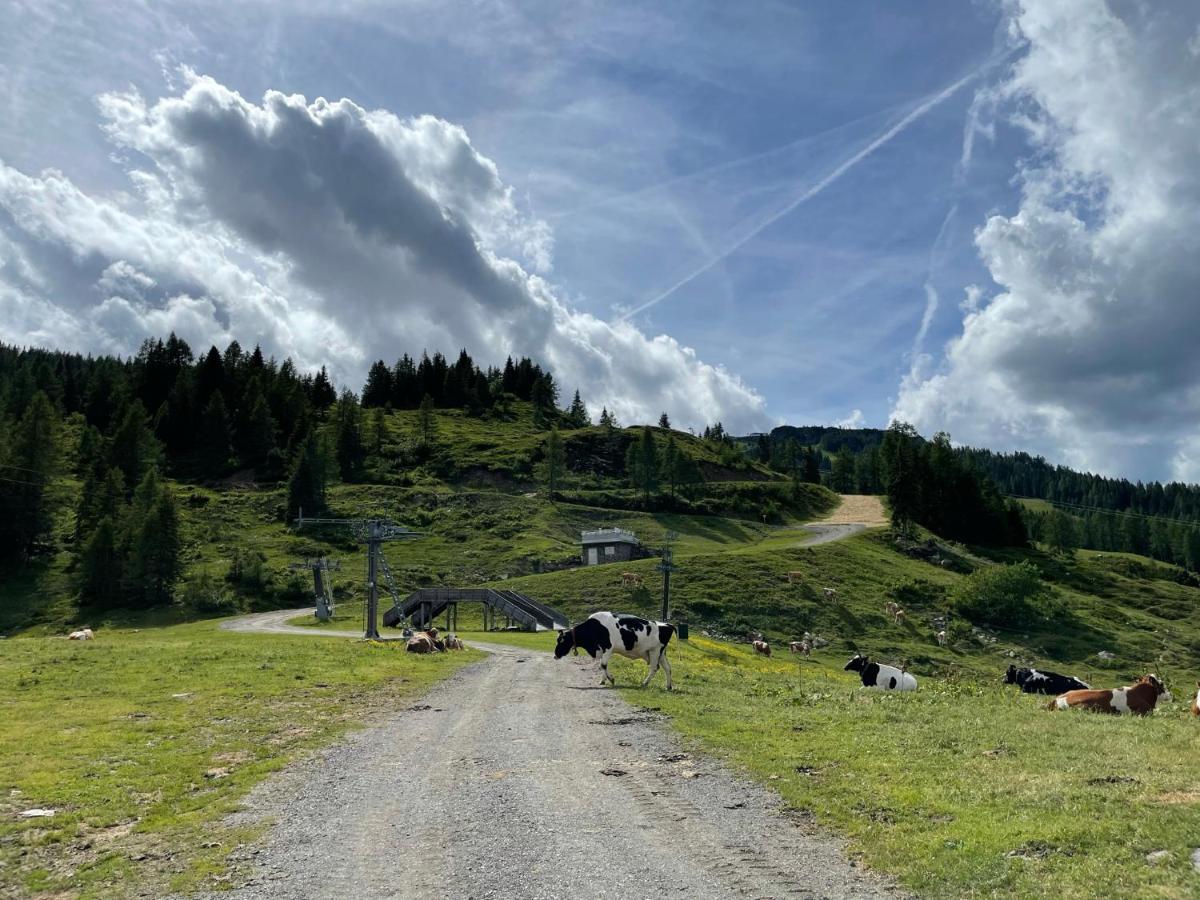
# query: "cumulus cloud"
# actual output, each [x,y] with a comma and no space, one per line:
[330,233]
[1087,350]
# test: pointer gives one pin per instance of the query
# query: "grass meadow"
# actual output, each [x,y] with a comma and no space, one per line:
[144,739]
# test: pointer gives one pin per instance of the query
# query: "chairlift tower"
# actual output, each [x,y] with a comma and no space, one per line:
[374,533]
[667,567]
[324,599]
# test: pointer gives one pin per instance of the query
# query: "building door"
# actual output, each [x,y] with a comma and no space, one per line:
[593,557]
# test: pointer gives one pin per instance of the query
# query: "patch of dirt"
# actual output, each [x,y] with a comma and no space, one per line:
[857,509]
[1174,798]
[1113,779]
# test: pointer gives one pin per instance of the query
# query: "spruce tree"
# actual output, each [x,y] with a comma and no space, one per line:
[577,415]
[379,387]
[152,567]
[351,452]
[664,422]
[25,514]
[555,464]
[216,436]
[258,433]
[99,574]
[306,484]
[641,462]
[133,448]
[426,423]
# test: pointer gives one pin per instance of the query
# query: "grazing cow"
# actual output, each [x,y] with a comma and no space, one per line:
[898,615]
[761,647]
[793,577]
[84,634]
[630,579]
[801,647]
[890,607]
[889,678]
[941,638]
[830,593]
[602,634]
[1035,681]
[1137,699]
[419,643]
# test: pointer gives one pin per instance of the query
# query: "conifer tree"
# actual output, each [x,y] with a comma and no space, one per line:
[351,452]
[306,484]
[379,387]
[133,448]
[258,433]
[641,462]
[216,444]
[25,514]
[426,423]
[664,422]
[152,567]
[577,415]
[99,575]
[555,464]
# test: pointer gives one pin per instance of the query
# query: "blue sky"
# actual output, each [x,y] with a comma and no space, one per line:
[671,202]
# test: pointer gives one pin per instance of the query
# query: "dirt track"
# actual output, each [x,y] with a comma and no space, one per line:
[519,777]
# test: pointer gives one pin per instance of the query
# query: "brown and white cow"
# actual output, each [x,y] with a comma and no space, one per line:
[630,579]
[1137,699]
[804,647]
[761,647]
[1196,701]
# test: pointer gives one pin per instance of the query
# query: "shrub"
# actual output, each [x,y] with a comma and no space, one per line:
[917,593]
[204,594]
[1012,596]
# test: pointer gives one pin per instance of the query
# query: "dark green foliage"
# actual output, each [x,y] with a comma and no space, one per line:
[378,389]
[306,484]
[663,421]
[812,466]
[351,451]
[98,579]
[842,476]
[207,596]
[151,566]
[26,466]
[426,423]
[544,396]
[216,436]
[555,463]
[1013,596]
[133,448]
[256,435]
[102,497]
[577,415]
[641,462]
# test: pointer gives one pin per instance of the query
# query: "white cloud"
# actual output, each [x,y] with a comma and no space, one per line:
[1087,353]
[329,233]
[854,420]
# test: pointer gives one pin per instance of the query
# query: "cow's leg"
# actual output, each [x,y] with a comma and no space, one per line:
[666,666]
[604,676]
[651,661]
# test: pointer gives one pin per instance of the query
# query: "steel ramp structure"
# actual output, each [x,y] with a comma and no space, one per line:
[423,605]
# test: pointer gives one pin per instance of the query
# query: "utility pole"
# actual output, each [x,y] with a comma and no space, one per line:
[666,567]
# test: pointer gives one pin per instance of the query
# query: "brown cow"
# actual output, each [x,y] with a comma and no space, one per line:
[793,577]
[801,647]
[1196,701]
[1136,699]
[419,643]
[761,647]
[630,579]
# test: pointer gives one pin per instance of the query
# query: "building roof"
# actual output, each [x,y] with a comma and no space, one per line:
[607,536]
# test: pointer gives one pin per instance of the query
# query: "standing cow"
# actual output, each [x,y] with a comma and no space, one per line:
[602,634]
[1035,681]
[889,678]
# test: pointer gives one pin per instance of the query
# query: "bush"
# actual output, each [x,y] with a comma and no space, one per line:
[204,594]
[917,593]
[248,570]
[1013,596]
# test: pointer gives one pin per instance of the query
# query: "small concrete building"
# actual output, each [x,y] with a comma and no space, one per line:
[607,545]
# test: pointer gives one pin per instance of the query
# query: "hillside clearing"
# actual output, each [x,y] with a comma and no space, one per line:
[860,509]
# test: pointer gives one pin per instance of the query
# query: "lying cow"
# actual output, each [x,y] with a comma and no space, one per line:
[84,634]
[1136,699]
[453,642]
[1035,681]
[420,643]
[889,678]
[602,634]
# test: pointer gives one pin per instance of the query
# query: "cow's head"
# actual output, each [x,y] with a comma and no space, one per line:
[1010,677]
[857,664]
[1159,687]
[566,641]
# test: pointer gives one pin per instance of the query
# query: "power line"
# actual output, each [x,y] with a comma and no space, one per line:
[1188,523]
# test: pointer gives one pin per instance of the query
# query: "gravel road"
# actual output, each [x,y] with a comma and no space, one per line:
[518,777]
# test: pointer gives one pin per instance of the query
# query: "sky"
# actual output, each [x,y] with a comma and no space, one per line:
[977,216]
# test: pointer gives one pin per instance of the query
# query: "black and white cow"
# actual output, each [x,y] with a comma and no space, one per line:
[602,634]
[1035,681]
[878,676]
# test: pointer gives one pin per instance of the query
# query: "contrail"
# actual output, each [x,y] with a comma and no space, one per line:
[920,110]
[719,167]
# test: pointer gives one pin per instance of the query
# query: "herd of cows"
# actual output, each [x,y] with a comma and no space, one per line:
[602,634]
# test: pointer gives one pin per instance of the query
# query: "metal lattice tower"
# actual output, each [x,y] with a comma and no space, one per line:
[372,532]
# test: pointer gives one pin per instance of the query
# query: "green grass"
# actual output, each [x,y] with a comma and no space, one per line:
[93,730]
[965,788]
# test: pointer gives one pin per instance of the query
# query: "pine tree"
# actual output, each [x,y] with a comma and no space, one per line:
[216,444]
[664,422]
[555,464]
[322,394]
[641,462]
[99,574]
[379,430]
[577,415]
[152,567]
[133,448]
[903,487]
[258,433]
[306,484]
[379,387]
[102,497]
[812,465]
[842,476]
[544,396]
[351,453]
[25,514]
[670,465]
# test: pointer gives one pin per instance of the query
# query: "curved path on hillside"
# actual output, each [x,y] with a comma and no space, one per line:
[519,777]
